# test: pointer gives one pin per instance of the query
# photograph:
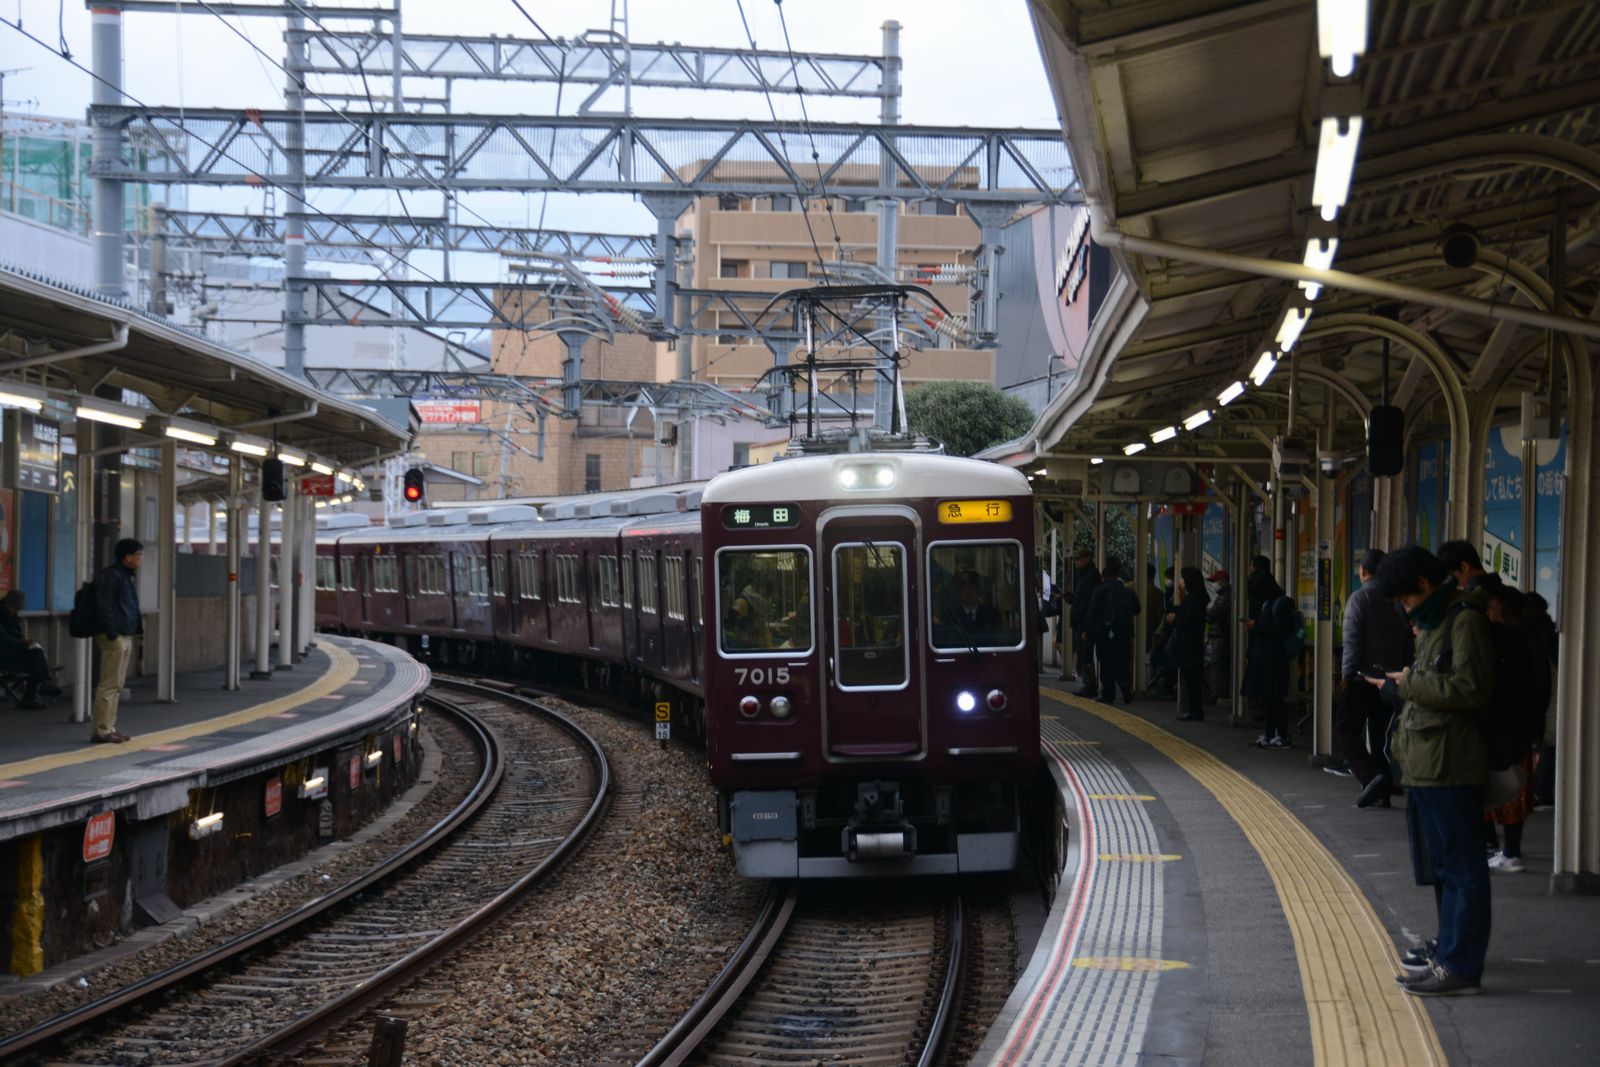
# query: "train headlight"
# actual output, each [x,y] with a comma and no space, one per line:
[779,707]
[966,701]
[748,706]
[866,476]
[997,700]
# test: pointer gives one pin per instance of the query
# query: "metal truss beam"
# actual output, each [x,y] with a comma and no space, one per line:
[592,61]
[591,155]
[332,237]
[263,10]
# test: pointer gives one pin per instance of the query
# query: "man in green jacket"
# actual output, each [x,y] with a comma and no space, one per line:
[1440,751]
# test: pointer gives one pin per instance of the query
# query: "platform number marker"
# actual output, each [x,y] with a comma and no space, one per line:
[663,720]
[98,834]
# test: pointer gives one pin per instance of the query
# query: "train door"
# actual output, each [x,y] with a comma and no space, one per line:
[874,700]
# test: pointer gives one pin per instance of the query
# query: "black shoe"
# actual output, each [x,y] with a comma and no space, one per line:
[1376,790]
[1186,717]
[1438,982]
[1417,959]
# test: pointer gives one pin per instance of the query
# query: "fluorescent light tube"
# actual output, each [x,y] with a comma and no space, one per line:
[1166,433]
[115,418]
[1133,449]
[20,396]
[180,433]
[249,448]
[1294,320]
[1319,256]
[1336,162]
[1264,368]
[322,468]
[1230,394]
[293,459]
[1342,33]
[1096,461]
[1197,420]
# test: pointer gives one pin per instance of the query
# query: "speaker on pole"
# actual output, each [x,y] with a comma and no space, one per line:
[1385,440]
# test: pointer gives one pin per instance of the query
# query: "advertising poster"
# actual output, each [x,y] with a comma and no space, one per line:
[8,540]
[1425,528]
[1503,537]
[1214,553]
[1548,485]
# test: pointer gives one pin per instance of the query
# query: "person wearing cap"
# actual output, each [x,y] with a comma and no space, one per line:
[1219,634]
[116,596]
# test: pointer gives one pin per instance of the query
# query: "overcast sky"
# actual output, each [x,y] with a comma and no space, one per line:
[966,63]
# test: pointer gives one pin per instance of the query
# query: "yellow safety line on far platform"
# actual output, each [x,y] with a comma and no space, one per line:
[342,667]
[1347,961]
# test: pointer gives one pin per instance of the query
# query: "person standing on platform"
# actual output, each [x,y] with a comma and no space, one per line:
[1464,565]
[116,595]
[1444,764]
[21,656]
[1219,635]
[1377,640]
[1188,620]
[1266,671]
[1112,610]
[1162,681]
[1085,580]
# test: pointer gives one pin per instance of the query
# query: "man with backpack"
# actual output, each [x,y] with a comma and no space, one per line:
[116,594]
[1440,750]
[1377,640]
[1112,610]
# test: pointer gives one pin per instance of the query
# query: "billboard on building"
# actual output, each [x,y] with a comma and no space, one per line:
[432,411]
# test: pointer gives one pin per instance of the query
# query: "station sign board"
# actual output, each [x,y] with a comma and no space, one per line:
[447,411]
[272,801]
[32,452]
[98,835]
[317,485]
[355,772]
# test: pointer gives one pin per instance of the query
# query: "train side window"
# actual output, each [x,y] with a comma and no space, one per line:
[699,591]
[627,579]
[411,577]
[672,581]
[458,574]
[609,594]
[647,583]
[764,600]
[347,574]
[499,574]
[975,595]
[869,615]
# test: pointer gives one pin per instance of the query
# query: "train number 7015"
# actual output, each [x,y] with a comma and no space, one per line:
[762,675]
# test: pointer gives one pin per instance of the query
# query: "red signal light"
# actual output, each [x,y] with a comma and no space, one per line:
[413,485]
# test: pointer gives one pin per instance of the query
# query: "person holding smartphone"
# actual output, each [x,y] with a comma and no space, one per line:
[1377,640]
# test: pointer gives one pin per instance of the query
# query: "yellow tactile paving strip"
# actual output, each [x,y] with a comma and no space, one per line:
[341,668]
[1347,962]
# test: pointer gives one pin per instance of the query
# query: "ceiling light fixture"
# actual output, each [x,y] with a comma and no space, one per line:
[1294,320]
[22,396]
[1319,256]
[322,468]
[1197,420]
[1342,33]
[1336,162]
[1264,367]
[1166,433]
[1230,394]
[1133,449]
[115,415]
[1096,461]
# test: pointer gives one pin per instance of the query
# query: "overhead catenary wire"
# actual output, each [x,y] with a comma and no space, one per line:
[805,119]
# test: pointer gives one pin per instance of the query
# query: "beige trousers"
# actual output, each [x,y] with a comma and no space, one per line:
[115,652]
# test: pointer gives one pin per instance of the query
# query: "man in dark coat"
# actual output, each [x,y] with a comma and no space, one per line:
[116,596]
[21,656]
[1112,609]
[1219,635]
[1377,640]
[1085,580]
[1266,672]
[1187,650]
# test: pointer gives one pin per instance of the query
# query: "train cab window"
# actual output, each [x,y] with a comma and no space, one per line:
[764,600]
[975,595]
[647,583]
[498,574]
[869,616]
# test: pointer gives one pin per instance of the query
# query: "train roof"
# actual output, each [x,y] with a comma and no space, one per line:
[818,478]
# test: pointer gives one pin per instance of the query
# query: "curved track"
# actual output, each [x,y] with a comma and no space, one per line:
[539,794]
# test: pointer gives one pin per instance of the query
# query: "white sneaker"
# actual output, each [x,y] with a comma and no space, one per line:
[1500,863]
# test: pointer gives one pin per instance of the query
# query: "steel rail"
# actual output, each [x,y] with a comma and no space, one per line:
[944,1015]
[283,1042]
[80,1018]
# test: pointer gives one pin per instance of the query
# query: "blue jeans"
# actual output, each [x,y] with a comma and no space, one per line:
[1452,825]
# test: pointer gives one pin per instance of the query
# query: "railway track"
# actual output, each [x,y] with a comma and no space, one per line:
[826,978]
[278,988]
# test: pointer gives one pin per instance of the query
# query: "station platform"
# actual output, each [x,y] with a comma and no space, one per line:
[1228,905]
[53,776]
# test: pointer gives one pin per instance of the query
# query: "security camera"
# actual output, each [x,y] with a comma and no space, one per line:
[1329,463]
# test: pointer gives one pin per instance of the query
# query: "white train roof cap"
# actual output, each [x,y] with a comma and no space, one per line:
[503,513]
[817,478]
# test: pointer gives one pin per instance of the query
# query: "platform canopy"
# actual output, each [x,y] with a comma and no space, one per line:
[73,344]
[1197,128]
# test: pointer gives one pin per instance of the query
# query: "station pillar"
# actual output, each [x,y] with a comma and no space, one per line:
[235,535]
[263,667]
[83,662]
[286,538]
[167,590]
[1138,581]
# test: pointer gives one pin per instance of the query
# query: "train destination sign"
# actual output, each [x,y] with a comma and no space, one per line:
[959,511]
[760,516]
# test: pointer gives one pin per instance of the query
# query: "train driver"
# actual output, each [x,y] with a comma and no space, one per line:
[972,613]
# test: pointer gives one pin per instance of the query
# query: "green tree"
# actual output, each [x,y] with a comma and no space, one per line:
[966,417]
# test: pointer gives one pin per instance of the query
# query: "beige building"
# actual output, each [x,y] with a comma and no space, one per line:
[759,245]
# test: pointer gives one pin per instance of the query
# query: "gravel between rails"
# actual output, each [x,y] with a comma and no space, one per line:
[434,796]
[595,967]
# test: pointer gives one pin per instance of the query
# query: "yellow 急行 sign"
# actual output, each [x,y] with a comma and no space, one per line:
[956,511]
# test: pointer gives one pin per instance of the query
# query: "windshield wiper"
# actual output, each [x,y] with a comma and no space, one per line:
[952,608]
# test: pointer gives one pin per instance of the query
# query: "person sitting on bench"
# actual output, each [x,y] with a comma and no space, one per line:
[18,655]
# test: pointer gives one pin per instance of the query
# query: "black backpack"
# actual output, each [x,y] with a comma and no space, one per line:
[1514,719]
[85,618]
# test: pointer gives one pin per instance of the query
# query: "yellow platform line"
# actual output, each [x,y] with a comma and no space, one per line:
[342,667]
[1347,961]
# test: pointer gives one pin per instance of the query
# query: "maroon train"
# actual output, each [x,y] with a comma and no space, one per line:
[861,662]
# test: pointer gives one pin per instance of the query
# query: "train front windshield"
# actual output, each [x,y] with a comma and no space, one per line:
[764,598]
[976,595]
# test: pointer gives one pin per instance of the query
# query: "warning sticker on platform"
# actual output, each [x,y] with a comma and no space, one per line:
[98,834]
